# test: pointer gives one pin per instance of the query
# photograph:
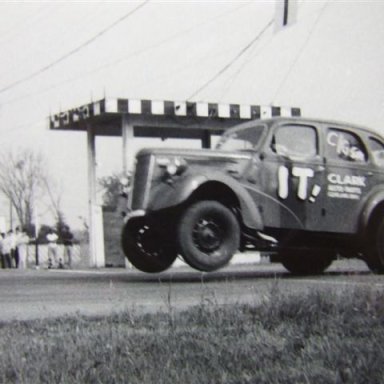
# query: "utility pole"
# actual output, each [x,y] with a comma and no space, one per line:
[285,14]
[37,262]
[10,214]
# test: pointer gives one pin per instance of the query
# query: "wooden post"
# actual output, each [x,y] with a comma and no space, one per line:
[96,236]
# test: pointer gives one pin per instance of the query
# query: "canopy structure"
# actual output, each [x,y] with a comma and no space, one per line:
[130,118]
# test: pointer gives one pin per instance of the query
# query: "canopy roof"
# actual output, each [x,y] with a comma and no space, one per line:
[151,118]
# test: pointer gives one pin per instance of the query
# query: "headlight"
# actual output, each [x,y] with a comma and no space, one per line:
[173,166]
[171,169]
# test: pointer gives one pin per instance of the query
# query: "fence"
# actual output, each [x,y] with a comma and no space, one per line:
[80,256]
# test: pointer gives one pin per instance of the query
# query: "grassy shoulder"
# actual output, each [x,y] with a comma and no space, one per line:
[315,337]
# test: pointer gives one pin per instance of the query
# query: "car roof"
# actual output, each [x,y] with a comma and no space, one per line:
[307,120]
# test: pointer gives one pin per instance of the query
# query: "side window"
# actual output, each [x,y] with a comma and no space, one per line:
[377,149]
[298,141]
[345,146]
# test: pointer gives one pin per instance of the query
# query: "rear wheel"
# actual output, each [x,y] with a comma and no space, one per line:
[146,247]
[208,235]
[300,263]
[374,256]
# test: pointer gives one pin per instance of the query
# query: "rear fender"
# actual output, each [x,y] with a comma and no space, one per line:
[373,206]
[170,195]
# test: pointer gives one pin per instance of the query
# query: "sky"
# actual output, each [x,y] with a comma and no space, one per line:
[60,55]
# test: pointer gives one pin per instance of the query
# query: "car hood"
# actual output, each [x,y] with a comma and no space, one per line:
[196,154]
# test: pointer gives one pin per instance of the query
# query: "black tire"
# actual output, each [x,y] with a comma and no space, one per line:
[208,235]
[146,247]
[374,255]
[298,262]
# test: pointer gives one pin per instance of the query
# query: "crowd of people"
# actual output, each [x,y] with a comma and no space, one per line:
[13,248]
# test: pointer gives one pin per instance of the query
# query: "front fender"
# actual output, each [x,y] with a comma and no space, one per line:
[166,195]
[169,195]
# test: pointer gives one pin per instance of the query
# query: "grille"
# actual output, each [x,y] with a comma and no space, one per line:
[141,182]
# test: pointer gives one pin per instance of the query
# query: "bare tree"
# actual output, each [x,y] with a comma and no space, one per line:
[22,181]
[55,194]
[114,187]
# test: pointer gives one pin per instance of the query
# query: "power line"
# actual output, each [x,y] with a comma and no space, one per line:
[124,58]
[158,44]
[73,51]
[252,57]
[299,53]
[228,65]
[39,34]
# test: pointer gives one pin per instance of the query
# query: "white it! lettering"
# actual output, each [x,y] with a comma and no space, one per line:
[303,174]
[283,176]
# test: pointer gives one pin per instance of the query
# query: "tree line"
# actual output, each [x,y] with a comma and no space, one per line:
[32,193]
[29,189]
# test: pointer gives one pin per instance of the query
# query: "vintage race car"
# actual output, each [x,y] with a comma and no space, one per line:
[304,190]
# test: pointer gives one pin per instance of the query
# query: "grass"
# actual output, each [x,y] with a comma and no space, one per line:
[316,337]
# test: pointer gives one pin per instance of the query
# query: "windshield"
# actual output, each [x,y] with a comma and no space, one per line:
[242,139]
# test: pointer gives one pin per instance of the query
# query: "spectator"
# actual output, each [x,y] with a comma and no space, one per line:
[52,249]
[6,249]
[67,237]
[15,250]
[14,255]
[2,235]
[22,244]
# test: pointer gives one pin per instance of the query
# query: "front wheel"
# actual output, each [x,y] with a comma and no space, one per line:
[146,247]
[299,263]
[208,235]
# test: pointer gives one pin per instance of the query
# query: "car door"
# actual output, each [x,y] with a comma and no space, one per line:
[349,178]
[292,176]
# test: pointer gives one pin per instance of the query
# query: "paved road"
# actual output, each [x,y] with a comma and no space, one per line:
[35,294]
